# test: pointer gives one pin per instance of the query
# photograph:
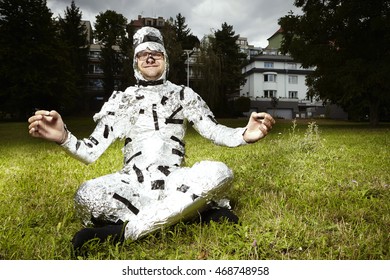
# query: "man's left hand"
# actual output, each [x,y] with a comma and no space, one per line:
[258,126]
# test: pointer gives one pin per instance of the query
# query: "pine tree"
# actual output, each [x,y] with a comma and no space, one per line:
[110,31]
[34,73]
[74,37]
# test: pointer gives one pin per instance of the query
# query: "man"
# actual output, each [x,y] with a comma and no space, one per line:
[153,189]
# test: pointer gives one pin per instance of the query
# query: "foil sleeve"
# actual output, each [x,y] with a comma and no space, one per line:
[200,115]
[91,148]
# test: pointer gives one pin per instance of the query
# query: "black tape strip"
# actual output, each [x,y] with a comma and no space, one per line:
[174,121]
[106,131]
[164,169]
[175,112]
[155,118]
[164,100]
[88,144]
[212,119]
[138,171]
[171,119]
[111,113]
[177,152]
[127,141]
[78,144]
[126,202]
[133,156]
[140,97]
[183,188]
[123,181]
[182,93]
[158,185]
[174,138]
[93,140]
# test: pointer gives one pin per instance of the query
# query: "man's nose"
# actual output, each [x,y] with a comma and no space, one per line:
[150,58]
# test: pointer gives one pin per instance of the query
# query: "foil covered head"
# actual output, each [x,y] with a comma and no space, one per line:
[148,38]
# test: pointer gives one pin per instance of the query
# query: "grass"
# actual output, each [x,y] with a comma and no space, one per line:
[307,191]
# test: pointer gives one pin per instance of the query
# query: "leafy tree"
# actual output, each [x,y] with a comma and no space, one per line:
[110,30]
[347,43]
[73,34]
[127,53]
[174,49]
[33,71]
[208,73]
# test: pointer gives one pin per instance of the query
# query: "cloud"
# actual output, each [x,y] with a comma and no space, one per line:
[256,20]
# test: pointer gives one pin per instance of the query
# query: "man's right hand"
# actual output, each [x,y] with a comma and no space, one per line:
[48,125]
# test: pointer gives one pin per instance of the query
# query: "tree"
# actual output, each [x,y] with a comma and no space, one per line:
[187,40]
[33,71]
[347,43]
[73,35]
[231,60]
[177,38]
[208,73]
[110,30]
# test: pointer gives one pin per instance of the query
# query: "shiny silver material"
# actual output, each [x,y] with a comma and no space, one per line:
[153,189]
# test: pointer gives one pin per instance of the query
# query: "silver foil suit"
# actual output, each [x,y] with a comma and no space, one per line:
[152,189]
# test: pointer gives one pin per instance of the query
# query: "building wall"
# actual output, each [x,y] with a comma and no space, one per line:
[276,84]
[279,74]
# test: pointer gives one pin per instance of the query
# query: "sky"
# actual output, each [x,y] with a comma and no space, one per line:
[257,20]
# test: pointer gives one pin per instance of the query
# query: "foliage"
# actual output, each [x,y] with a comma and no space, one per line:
[347,43]
[208,73]
[218,68]
[110,31]
[240,105]
[294,202]
[34,66]
[177,73]
[73,35]
[177,38]
[184,36]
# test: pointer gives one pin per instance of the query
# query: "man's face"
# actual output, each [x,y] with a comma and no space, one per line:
[151,64]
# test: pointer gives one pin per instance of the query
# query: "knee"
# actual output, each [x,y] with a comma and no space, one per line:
[215,169]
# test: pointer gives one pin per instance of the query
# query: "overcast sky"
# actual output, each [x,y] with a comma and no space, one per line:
[256,20]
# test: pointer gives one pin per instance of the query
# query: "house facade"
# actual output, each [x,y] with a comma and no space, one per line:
[276,83]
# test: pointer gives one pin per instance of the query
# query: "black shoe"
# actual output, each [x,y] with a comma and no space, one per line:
[218,215]
[116,232]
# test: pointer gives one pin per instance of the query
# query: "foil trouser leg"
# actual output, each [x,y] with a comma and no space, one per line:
[188,191]
[120,196]
[104,198]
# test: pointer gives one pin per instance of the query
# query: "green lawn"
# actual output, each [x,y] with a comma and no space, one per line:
[307,191]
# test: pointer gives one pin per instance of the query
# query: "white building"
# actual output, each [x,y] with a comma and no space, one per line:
[276,83]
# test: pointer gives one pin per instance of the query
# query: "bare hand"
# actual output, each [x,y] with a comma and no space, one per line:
[48,125]
[258,126]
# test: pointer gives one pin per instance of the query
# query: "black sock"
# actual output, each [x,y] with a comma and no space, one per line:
[116,232]
[218,215]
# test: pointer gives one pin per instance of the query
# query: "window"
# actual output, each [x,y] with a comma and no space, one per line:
[270,78]
[293,79]
[291,66]
[95,69]
[293,94]
[95,83]
[94,54]
[269,93]
[268,65]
